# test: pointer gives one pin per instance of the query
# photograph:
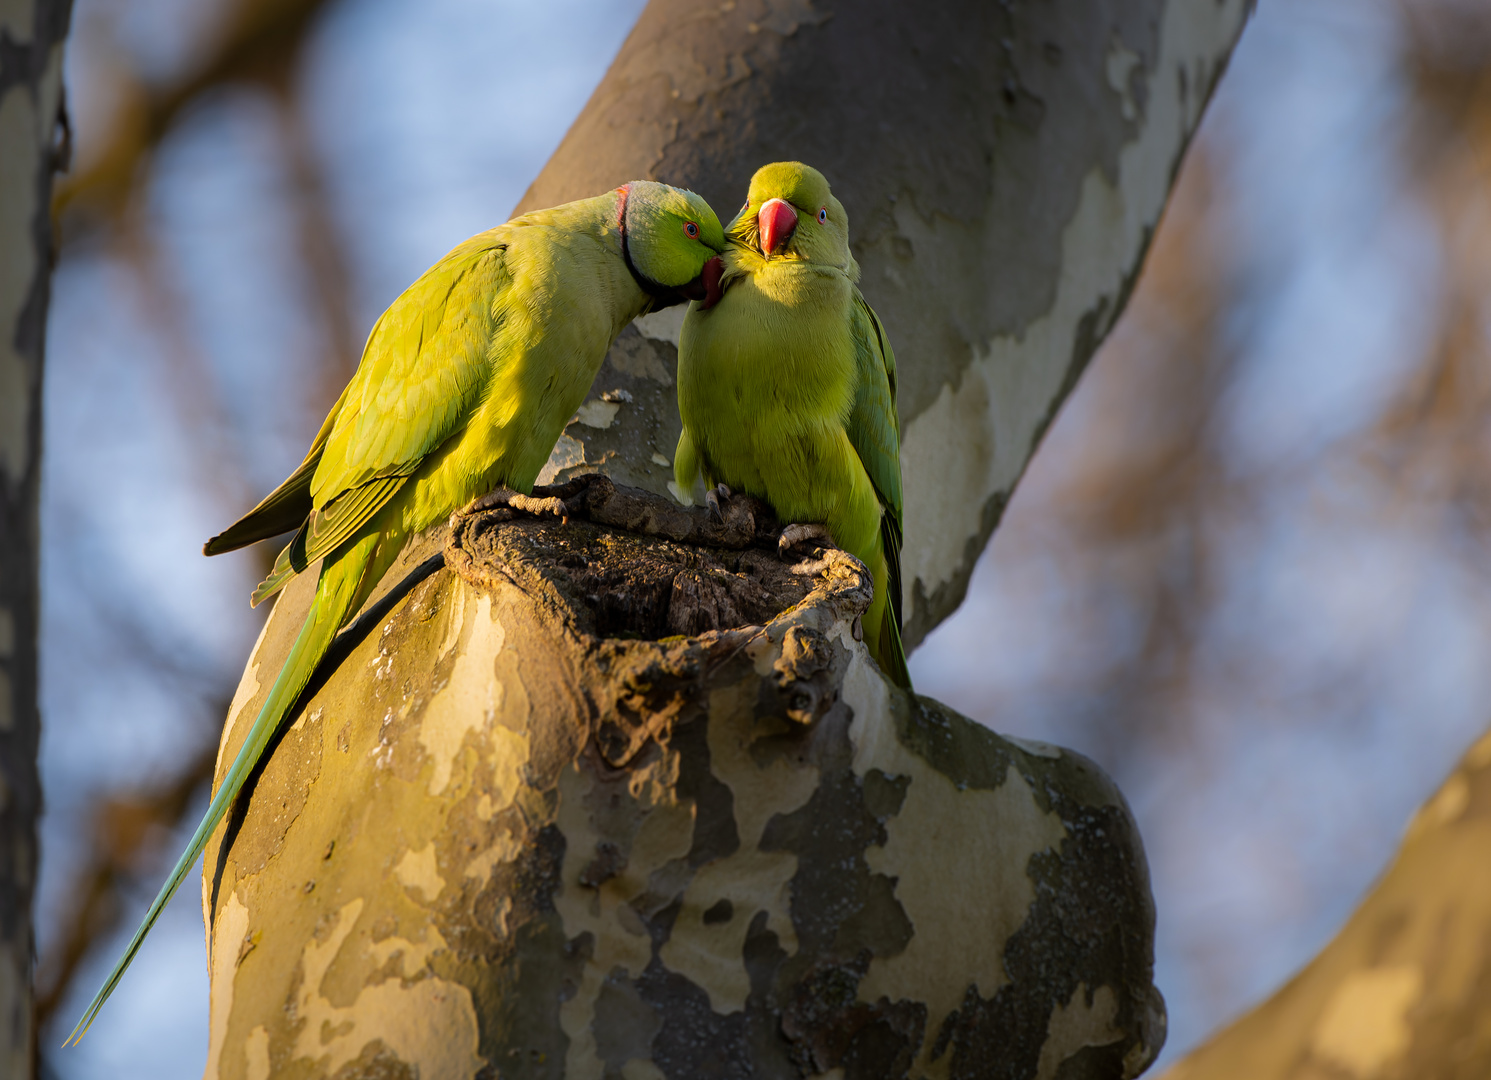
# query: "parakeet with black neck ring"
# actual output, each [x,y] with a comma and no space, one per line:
[465,384]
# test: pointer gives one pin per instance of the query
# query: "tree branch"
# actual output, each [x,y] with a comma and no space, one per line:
[1003,169]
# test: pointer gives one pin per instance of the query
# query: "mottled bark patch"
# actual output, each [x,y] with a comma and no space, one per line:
[569,850]
[830,1028]
[376,1062]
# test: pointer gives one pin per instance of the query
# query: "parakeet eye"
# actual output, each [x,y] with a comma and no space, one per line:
[822,215]
[691,230]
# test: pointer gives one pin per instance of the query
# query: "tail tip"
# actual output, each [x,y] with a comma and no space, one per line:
[78,1032]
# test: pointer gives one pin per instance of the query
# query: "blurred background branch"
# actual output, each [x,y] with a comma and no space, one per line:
[256,42]
[35,144]
[1404,989]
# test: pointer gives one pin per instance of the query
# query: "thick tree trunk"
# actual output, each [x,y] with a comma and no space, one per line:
[31,36]
[593,803]
[585,804]
[1404,991]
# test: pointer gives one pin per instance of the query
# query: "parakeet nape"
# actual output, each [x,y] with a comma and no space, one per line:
[787,388]
[465,384]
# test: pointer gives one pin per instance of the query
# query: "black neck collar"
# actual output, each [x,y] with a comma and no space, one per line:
[647,285]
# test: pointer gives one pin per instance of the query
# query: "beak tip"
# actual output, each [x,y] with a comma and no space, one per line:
[775,221]
[714,269]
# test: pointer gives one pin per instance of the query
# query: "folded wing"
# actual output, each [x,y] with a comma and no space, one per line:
[875,432]
[423,372]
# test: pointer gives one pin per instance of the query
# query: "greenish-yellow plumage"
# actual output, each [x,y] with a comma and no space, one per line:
[465,384]
[787,386]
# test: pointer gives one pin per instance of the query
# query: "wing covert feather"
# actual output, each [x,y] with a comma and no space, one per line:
[286,507]
[423,371]
[874,428]
[875,431]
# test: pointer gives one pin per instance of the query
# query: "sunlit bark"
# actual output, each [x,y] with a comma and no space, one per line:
[1404,990]
[591,803]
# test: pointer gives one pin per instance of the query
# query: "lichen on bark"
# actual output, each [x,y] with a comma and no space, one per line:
[526,829]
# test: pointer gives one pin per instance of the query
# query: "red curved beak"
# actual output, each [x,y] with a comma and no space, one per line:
[706,287]
[713,270]
[776,221]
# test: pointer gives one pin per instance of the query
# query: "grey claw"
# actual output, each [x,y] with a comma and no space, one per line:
[495,497]
[713,496]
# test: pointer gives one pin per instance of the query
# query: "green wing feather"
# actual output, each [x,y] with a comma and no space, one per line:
[326,530]
[286,507]
[423,370]
[422,373]
[875,431]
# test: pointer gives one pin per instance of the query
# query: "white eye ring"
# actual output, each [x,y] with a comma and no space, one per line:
[823,215]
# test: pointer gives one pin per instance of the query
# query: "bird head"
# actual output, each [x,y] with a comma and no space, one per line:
[790,213]
[674,241]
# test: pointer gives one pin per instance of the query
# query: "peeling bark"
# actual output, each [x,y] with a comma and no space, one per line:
[1404,990]
[31,115]
[1003,167]
[523,829]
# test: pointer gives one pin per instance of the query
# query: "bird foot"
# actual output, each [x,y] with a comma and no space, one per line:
[797,535]
[808,568]
[713,496]
[507,498]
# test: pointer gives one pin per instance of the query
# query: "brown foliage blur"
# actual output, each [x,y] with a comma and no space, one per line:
[1432,443]
[256,44]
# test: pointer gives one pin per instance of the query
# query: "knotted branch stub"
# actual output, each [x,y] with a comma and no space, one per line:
[619,794]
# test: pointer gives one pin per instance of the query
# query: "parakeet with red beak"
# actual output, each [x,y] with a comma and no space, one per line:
[787,389]
[465,384]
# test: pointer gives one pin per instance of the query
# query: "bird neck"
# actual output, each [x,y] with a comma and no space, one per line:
[653,289]
[634,291]
[600,221]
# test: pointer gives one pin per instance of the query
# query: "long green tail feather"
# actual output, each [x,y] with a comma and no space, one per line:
[335,593]
[889,652]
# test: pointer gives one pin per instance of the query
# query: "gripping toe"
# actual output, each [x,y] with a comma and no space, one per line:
[798,534]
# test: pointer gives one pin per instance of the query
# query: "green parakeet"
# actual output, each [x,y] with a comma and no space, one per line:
[787,388]
[465,384]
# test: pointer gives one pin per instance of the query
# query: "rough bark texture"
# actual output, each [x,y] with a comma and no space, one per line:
[1003,167]
[526,829]
[1404,991]
[31,35]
